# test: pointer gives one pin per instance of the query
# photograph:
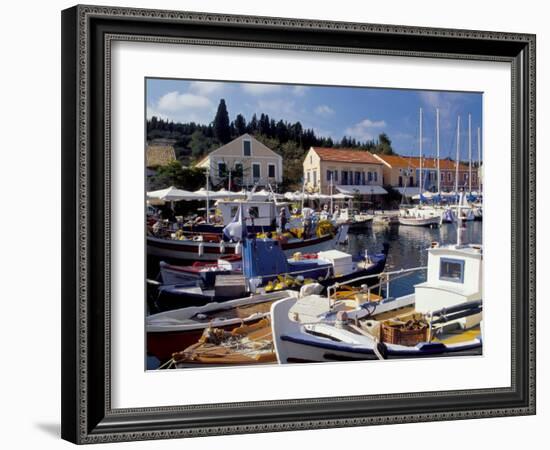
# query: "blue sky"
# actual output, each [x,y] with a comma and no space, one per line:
[362,113]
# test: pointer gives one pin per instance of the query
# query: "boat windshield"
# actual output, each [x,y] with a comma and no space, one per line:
[451,270]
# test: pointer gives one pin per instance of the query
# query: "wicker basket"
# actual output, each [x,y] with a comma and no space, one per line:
[399,335]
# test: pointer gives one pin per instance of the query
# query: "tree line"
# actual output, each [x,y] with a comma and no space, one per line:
[192,141]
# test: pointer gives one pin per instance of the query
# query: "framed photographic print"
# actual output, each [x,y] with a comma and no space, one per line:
[282,224]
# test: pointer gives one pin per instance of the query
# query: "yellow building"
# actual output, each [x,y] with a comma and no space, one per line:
[397,171]
[348,171]
[402,172]
[256,163]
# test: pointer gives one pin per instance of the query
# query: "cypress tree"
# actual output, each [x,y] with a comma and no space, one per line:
[222,131]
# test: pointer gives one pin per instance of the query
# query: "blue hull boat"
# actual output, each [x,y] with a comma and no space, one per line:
[263,265]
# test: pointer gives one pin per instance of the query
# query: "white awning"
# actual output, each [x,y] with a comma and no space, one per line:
[372,189]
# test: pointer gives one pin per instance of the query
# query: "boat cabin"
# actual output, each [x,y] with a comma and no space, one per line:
[265,214]
[455,275]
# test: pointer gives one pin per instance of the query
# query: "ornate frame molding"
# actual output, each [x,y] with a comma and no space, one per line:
[80,424]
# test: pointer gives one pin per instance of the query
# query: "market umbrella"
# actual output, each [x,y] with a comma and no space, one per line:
[260,195]
[203,194]
[229,194]
[171,194]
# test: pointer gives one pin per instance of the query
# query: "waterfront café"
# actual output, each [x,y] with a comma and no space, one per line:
[350,172]
[447,169]
[403,174]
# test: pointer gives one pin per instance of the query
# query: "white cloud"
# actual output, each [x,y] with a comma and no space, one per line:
[183,107]
[206,87]
[300,90]
[174,101]
[278,108]
[324,110]
[365,130]
[448,103]
[183,116]
[431,98]
[261,89]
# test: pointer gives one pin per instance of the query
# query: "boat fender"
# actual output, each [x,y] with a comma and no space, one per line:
[222,246]
[200,249]
[341,319]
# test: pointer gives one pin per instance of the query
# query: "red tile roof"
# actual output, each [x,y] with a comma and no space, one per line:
[345,155]
[431,163]
[396,161]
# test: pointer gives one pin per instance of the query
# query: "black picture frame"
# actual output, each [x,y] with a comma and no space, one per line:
[87,32]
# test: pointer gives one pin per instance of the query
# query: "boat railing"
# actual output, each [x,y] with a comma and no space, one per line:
[385,278]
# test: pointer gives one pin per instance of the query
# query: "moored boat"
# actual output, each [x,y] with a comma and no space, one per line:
[265,269]
[441,318]
[246,344]
[171,331]
[211,247]
[419,221]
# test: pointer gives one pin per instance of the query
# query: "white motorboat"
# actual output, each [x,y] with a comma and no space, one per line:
[441,318]
[420,216]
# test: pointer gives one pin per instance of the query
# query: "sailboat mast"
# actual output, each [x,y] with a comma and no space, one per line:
[331,193]
[470,153]
[457,153]
[420,147]
[478,161]
[303,194]
[208,194]
[437,149]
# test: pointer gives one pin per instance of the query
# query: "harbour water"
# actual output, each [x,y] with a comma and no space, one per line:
[408,247]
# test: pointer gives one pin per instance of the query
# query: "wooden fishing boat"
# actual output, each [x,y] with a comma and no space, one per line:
[419,221]
[266,269]
[249,343]
[246,344]
[441,318]
[212,247]
[200,271]
[208,244]
[171,331]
